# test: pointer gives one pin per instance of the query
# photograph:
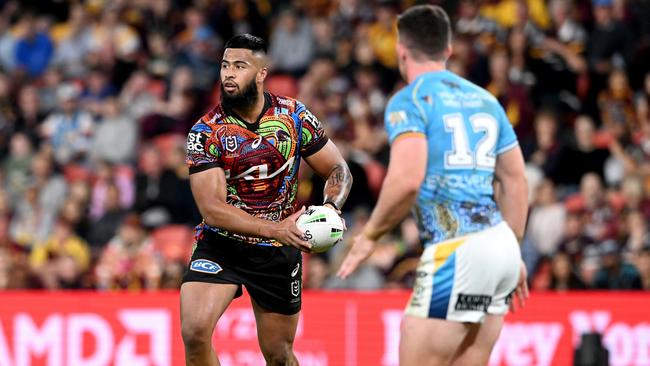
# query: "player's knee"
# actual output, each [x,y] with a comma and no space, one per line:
[280,355]
[195,334]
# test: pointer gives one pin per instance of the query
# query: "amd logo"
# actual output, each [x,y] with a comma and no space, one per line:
[64,339]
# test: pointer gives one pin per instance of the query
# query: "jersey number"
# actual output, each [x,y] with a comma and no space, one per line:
[461,156]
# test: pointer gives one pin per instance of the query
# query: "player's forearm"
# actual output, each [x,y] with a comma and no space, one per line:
[235,220]
[338,185]
[395,201]
[512,201]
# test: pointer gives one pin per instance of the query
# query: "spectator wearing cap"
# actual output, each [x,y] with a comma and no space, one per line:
[69,130]
[615,274]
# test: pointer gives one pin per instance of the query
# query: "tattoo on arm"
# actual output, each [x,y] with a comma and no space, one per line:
[338,184]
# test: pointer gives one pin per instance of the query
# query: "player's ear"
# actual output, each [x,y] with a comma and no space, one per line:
[261,75]
[449,51]
[401,51]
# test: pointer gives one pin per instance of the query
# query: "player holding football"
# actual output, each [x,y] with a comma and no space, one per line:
[450,141]
[243,158]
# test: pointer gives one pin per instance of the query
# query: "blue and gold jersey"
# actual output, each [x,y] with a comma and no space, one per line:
[466,129]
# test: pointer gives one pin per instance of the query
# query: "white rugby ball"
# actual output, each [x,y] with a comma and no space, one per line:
[322,226]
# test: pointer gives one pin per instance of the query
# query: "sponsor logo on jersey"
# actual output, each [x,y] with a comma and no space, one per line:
[295,288]
[467,302]
[194,143]
[286,102]
[230,143]
[397,117]
[205,266]
[295,270]
[311,119]
[257,142]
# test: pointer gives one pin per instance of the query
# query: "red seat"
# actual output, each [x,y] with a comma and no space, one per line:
[75,173]
[174,242]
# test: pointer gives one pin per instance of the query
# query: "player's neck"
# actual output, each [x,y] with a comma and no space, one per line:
[416,69]
[251,112]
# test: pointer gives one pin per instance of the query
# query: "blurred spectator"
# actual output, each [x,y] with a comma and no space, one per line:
[62,259]
[615,274]
[610,43]
[51,187]
[292,36]
[563,277]
[382,35]
[581,157]
[137,98]
[70,130]
[543,149]
[155,193]
[546,220]
[598,210]
[575,242]
[128,261]
[29,113]
[17,165]
[72,42]
[104,228]
[34,48]
[643,265]
[512,96]
[486,32]
[111,37]
[116,137]
[615,103]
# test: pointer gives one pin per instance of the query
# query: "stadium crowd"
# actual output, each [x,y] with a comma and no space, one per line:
[97,96]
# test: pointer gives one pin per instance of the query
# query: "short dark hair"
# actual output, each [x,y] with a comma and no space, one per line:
[425,30]
[247,41]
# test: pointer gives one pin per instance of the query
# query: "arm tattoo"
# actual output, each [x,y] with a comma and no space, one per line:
[338,185]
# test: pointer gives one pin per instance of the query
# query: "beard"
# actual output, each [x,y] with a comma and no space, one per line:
[242,99]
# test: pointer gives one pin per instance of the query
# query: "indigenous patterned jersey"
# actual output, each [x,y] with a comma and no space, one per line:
[260,160]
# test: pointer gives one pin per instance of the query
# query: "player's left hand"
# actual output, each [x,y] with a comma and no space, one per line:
[345,227]
[361,250]
[521,292]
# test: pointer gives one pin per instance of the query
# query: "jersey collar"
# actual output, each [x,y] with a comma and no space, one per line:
[268,102]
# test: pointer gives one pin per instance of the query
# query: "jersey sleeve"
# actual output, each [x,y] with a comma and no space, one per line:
[203,151]
[313,135]
[507,138]
[403,116]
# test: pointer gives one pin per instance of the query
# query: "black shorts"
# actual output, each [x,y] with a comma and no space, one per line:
[272,275]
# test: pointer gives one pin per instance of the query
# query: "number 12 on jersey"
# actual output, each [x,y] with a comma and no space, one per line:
[464,156]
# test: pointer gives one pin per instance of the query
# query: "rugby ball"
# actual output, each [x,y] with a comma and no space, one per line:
[322,227]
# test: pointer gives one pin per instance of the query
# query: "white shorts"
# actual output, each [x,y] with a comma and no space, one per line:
[464,278]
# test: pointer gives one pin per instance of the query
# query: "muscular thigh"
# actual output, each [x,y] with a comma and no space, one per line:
[429,342]
[202,304]
[276,332]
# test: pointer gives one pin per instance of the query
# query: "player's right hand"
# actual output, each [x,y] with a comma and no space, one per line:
[286,232]
[361,250]
[521,292]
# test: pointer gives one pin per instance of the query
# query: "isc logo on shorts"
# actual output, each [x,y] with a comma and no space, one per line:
[205,266]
